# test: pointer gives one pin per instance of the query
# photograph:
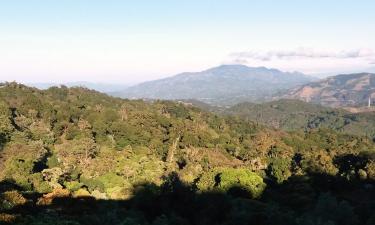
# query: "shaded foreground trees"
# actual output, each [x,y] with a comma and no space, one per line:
[316,200]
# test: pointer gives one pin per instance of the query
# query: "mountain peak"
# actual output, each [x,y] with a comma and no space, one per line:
[228,67]
[231,66]
[222,85]
[240,67]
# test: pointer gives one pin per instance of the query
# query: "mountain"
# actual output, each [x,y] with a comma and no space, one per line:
[223,85]
[347,90]
[292,115]
[101,87]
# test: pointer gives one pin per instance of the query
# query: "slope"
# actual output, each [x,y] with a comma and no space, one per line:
[223,85]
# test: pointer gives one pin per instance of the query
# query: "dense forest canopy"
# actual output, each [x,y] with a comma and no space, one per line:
[76,156]
[291,115]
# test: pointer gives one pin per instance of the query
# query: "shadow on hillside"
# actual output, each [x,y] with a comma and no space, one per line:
[2,141]
[316,199]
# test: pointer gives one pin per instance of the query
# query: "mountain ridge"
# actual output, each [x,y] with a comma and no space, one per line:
[222,85]
[343,90]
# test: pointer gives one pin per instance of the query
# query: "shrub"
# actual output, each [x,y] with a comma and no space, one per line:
[73,185]
[279,169]
[231,180]
[10,199]
[92,184]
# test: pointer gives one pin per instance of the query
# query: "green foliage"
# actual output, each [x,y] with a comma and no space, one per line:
[108,148]
[227,179]
[279,169]
[11,199]
[71,133]
[52,161]
[242,178]
[39,184]
[111,180]
[20,166]
[292,115]
[6,126]
[92,184]
[73,185]
[177,110]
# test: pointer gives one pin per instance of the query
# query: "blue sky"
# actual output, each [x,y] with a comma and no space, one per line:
[132,41]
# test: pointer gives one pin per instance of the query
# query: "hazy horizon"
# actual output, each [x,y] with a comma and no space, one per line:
[124,83]
[122,42]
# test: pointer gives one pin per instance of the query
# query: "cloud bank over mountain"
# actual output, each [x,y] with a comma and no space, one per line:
[303,53]
[309,60]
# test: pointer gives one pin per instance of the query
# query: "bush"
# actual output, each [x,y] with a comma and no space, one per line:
[235,181]
[73,185]
[39,184]
[92,184]
[279,169]
[10,199]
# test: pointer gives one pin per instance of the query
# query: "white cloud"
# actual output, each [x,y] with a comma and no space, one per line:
[240,61]
[303,53]
[307,60]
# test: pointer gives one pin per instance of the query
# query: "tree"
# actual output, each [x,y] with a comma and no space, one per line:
[279,169]
[236,181]
[6,126]
[79,151]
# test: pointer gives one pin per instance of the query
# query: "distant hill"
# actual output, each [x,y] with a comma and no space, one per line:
[337,91]
[223,85]
[292,115]
[101,87]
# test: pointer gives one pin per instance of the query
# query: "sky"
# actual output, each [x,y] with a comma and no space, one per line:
[132,41]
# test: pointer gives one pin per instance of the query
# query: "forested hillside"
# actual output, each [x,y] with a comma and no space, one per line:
[291,115]
[76,156]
